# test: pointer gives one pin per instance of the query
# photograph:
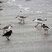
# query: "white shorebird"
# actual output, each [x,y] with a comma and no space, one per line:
[21,19]
[6,28]
[39,21]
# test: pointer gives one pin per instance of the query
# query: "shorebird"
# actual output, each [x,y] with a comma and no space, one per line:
[45,27]
[39,21]
[7,34]
[6,28]
[21,19]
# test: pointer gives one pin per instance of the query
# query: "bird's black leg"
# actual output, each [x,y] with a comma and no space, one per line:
[23,21]
[37,25]
[7,38]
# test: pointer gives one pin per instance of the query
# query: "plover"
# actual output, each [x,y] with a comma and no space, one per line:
[45,27]
[7,34]
[21,19]
[6,28]
[39,21]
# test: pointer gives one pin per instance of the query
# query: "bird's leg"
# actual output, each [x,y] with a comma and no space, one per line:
[41,25]
[46,31]
[37,25]
[7,38]
[23,21]
[20,21]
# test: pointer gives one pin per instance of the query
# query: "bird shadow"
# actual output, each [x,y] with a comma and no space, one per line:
[38,28]
[47,34]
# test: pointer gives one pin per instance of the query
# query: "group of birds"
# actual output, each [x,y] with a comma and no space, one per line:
[37,20]
[40,21]
[7,31]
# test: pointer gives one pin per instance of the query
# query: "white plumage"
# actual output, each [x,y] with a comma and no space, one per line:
[39,21]
[6,28]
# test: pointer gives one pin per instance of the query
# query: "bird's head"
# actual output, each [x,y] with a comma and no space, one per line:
[43,24]
[11,31]
[45,19]
[33,19]
[10,25]
[17,16]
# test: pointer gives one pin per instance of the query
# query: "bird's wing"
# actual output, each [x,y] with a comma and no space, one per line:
[6,27]
[40,19]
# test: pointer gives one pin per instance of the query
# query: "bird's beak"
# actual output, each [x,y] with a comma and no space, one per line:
[33,19]
[16,17]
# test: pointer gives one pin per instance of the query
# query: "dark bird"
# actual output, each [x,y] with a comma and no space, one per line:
[8,34]
[45,27]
